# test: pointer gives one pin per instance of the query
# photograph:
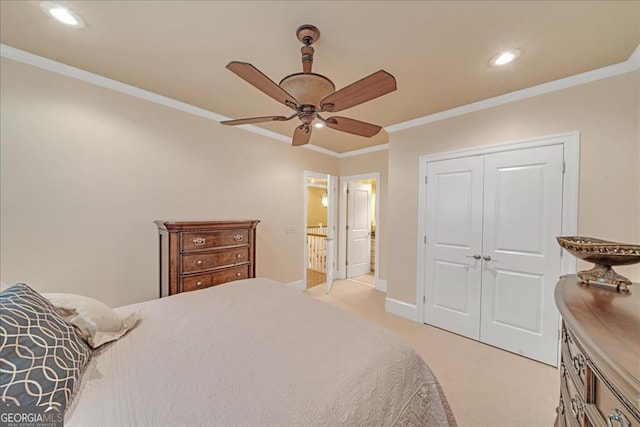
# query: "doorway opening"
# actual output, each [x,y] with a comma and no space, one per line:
[319,218]
[359,243]
[316,231]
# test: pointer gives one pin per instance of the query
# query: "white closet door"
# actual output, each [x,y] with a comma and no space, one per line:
[522,217]
[454,236]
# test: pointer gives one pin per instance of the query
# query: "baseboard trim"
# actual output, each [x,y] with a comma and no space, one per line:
[380,285]
[402,309]
[299,285]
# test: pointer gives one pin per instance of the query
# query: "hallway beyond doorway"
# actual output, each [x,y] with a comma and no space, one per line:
[365,279]
[315,278]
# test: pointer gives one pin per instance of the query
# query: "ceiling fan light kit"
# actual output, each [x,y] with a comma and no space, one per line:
[309,93]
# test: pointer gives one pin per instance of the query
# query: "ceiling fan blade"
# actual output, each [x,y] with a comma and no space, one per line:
[250,120]
[301,135]
[355,127]
[375,85]
[254,77]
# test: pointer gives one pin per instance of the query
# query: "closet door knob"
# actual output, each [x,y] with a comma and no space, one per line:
[475,256]
[486,258]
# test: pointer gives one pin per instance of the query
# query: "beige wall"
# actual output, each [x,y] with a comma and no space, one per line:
[605,113]
[85,171]
[370,163]
[316,213]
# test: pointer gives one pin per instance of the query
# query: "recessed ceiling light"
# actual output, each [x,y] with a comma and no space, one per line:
[62,14]
[505,57]
[319,125]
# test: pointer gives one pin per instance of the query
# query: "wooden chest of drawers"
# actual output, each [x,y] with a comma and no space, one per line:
[199,254]
[600,356]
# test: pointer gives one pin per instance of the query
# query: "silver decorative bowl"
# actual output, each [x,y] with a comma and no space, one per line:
[603,254]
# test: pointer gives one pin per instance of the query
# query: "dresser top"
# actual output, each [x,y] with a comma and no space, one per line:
[204,224]
[607,324]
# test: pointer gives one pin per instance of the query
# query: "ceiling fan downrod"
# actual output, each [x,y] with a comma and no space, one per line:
[307,34]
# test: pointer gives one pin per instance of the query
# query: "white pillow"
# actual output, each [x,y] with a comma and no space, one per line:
[97,323]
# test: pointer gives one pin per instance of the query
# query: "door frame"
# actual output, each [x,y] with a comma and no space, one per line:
[570,183]
[353,188]
[341,261]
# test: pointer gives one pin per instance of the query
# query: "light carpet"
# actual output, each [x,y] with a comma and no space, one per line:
[485,386]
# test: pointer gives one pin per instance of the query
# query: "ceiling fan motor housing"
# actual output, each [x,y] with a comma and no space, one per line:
[308,88]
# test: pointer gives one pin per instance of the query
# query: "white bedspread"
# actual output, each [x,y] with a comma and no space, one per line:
[255,352]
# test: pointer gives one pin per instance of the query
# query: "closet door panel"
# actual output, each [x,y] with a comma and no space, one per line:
[454,236]
[522,217]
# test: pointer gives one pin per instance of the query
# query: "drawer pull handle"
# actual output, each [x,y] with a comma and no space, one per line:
[200,241]
[239,256]
[238,274]
[198,283]
[238,237]
[199,262]
[619,418]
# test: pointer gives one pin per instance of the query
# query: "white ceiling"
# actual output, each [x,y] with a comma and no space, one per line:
[439,51]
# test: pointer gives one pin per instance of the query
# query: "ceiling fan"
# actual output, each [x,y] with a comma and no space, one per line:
[310,94]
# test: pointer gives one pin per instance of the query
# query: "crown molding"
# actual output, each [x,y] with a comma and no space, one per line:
[630,65]
[634,59]
[98,80]
[373,149]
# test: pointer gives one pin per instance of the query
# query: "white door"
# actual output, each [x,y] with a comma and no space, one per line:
[522,217]
[332,192]
[454,245]
[506,209]
[358,229]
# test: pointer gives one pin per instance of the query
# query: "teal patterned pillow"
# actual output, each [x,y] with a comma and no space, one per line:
[41,356]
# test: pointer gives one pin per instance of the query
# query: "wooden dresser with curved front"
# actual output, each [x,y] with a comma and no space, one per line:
[600,360]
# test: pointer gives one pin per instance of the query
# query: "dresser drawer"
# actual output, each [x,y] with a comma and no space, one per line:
[192,263]
[201,281]
[573,401]
[573,358]
[612,410]
[198,241]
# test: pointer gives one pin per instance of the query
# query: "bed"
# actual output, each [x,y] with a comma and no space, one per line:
[254,352]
